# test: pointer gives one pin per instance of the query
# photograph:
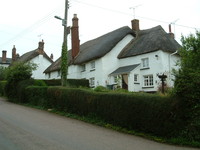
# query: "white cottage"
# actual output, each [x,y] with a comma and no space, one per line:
[39,57]
[129,58]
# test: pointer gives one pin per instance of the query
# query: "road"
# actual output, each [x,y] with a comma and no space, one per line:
[24,128]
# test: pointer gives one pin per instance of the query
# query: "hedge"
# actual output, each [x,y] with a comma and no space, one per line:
[71,82]
[143,112]
[2,88]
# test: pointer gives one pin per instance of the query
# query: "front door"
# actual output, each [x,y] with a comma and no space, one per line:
[125,81]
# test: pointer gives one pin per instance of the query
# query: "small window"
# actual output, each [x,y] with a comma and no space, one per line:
[148,81]
[92,65]
[92,82]
[136,78]
[83,68]
[49,74]
[59,73]
[145,63]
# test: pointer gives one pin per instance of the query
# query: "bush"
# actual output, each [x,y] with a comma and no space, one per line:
[142,112]
[101,89]
[70,82]
[17,72]
[2,88]
[37,95]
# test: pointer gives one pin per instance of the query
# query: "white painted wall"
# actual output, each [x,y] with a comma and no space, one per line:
[42,63]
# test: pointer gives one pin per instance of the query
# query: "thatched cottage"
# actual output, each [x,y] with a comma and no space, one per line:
[125,57]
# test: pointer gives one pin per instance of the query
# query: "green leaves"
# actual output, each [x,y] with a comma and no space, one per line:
[64,65]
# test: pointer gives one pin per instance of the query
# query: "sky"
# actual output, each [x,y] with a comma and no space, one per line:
[24,23]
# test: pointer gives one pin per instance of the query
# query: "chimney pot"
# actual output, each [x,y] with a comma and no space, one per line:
[135,25]
[41,47]
[170,32]
[75,37]
[14,53]
[4,56]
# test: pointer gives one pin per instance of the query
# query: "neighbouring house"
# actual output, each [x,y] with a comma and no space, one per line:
[38,57]
[4,61]
[128,58]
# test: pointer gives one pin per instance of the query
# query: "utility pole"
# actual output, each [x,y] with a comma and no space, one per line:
[64,61]
[65,22]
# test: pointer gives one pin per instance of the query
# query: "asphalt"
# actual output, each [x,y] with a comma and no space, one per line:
[24,128]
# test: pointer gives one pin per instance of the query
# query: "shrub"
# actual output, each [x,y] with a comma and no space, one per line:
[37,95]
[17,72]
[2,87]
[70,82]
[143,112]
[101,89]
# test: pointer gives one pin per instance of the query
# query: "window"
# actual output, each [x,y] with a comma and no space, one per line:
[148,81]
[59,73]
[92,66]
[49,74]
[83,68]
[145,63]
[136,78]
[92,82]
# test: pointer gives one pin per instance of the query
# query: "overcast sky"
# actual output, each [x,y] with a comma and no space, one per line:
[24,23]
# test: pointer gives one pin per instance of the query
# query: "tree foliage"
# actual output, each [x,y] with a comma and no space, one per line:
[187,83]
[2,73]
[19,71]
[64,65]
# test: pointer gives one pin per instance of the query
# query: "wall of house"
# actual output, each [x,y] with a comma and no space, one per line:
[42,63]
[4,65]
[159,62]
[103,66]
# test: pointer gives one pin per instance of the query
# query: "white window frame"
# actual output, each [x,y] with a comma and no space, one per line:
[49,75]
[83,68]
[136,78]
[145,63]
[148,81]
[59,73]
[92,65]
[92,82]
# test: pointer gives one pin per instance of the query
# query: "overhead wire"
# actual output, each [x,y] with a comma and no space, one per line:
[31,27]
[147,18]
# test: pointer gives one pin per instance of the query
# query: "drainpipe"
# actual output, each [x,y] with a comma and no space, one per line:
[170,65]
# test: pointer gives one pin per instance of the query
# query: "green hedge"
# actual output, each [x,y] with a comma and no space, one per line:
[71,82]
[143,112]
[2,88]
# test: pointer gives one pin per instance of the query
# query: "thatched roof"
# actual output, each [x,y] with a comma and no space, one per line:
[148,41]
[100,46]
[32,54]
[94,49]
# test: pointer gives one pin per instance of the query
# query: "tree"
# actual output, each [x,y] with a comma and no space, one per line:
[64,65]
[19,71]
[187,83]
[2,73]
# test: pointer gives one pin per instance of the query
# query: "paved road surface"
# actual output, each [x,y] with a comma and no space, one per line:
[23,128]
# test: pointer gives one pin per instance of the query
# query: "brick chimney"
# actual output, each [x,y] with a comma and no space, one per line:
[75,36]
[170,31]
[4,56]
[41,47]
[135,25]
[14,53]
